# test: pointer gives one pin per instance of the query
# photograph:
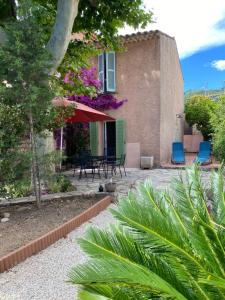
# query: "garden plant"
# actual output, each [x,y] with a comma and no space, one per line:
[26,91]
[166,245]
[198,109]
[218,123]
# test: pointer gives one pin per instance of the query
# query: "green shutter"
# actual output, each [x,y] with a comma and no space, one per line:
[101,73]
[120,137]
[110,72]
[94,138]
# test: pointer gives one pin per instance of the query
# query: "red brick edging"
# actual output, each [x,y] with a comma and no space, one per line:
[15,257]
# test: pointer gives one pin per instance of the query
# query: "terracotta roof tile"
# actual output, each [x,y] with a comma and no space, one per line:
[145,35]
[128,38]
[80,36]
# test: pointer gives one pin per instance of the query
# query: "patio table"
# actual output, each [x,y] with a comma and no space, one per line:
[86,162]
[99,163]
[110,162]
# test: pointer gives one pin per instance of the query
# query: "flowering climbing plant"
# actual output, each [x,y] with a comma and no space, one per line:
[84,87]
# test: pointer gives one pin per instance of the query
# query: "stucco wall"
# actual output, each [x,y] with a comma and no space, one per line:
[148,74]
[137,79]
[171,95]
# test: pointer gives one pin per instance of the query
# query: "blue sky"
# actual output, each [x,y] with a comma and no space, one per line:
[205,69]
[199,30]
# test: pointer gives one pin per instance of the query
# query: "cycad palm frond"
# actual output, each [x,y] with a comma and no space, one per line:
[218,196]
[167,245]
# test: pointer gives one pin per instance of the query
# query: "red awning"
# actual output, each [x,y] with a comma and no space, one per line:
[82,113]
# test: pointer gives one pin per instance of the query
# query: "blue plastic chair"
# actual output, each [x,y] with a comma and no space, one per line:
[178,156]
[204,154]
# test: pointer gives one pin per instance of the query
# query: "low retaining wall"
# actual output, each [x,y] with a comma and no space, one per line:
[12,259]
[56,196]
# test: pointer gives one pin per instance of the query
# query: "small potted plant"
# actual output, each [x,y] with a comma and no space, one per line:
[110,186]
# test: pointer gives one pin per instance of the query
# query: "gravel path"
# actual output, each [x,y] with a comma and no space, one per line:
[43,276]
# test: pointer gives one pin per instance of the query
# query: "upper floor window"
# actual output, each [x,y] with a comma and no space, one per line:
[107,72]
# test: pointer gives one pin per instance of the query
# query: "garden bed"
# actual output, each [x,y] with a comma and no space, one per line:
[27,223]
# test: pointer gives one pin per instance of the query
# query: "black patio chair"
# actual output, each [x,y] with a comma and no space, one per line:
[122,163]
[76,163]
[109,164]
[80,162]
[114,163]
[93,164]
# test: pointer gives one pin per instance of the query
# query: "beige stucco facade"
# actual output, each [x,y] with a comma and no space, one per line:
[171,97]
[148,75]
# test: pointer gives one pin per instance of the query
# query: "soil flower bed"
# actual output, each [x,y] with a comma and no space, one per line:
[27,223]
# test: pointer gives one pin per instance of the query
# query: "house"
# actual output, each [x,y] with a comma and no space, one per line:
[148,74]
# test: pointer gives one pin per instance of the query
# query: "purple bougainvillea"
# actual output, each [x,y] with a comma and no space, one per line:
[101,102]
[88,78]
[68,78]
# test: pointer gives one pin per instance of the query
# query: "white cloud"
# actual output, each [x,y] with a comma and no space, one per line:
[192,23]
[219,65]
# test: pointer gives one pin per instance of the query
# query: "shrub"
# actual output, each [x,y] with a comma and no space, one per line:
[198,109]
[166,246]
[60,183]
[218,122]
[16,189]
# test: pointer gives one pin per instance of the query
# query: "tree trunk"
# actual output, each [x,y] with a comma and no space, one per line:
[34,163]
[61,33]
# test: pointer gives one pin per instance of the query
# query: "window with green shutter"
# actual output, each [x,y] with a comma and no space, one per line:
[101,70]
[120,137]
[110,72]
[107,71]
[94,137]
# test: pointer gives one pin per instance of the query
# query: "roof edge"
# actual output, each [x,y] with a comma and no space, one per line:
[145,35]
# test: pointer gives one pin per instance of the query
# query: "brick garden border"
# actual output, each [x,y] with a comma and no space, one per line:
[15,257]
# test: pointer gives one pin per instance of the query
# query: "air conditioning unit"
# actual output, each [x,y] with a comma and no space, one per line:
[147,162]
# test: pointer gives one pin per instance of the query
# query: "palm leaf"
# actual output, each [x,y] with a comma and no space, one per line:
[192,205]
[115,293]
[167,245]
[154,232]
[218,196]
[123,273]
[101,244]
[88,295]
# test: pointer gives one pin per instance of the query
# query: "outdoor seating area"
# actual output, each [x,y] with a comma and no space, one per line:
[203,157]
[99,165]
[181,158]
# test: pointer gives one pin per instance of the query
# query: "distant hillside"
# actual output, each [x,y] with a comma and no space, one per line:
[214,94]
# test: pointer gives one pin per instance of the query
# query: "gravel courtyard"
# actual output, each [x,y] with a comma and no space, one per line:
[43,276]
